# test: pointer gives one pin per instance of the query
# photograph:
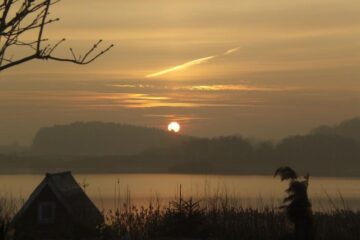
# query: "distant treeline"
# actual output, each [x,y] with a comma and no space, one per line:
[98,138]
[326,150]
[318,154]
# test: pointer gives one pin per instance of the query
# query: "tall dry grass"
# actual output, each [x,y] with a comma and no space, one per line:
[215,216]
[218,217]
[8,208]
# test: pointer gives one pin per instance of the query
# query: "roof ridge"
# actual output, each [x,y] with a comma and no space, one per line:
[58,173]
[69,193]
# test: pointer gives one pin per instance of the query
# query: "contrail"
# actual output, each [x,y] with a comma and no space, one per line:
[182,66]
[191,63]
[230,51]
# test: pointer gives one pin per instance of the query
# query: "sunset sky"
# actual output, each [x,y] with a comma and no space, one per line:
[262,69]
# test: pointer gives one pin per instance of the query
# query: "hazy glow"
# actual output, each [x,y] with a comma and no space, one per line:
[277,67]
[174,127]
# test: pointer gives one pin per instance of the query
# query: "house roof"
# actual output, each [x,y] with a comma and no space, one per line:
[70,194]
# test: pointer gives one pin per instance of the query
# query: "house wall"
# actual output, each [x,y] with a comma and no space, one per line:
[29,227]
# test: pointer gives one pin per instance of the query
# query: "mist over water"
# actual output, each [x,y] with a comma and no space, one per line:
[109,191]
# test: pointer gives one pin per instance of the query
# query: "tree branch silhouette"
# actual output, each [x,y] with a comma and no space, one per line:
[20,19]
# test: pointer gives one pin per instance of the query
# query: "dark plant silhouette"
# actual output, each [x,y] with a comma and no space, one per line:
[218,217]
[297,204]
[8,208]
[22,18]
[185,218]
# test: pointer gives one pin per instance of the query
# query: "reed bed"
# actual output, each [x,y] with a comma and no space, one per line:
[219,218]
[8,207]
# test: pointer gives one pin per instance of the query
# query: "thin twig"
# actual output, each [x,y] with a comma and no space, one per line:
[26,16]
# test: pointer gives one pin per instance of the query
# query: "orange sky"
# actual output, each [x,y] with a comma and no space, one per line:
[296,65]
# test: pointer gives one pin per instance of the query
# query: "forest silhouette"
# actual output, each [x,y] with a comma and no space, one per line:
[108,147]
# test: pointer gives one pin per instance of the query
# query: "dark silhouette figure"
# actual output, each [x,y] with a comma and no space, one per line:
[297,204]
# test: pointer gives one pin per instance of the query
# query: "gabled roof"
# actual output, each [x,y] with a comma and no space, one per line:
[70,194]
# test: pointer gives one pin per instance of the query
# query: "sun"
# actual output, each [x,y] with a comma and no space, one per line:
[174,127]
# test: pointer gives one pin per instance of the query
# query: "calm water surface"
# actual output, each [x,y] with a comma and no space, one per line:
[110,190]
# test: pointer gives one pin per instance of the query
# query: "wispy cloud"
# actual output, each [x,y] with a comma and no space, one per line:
[175,117]
[191,63]
[182,66]
[205,88]
[237,87]
[230,51]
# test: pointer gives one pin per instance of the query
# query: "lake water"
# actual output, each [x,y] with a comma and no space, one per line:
[109,190]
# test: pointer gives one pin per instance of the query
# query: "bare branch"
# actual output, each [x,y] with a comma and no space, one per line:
[73,54]
[41,28]
[56,45]
[92,49]
[77,60]
[20,17]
